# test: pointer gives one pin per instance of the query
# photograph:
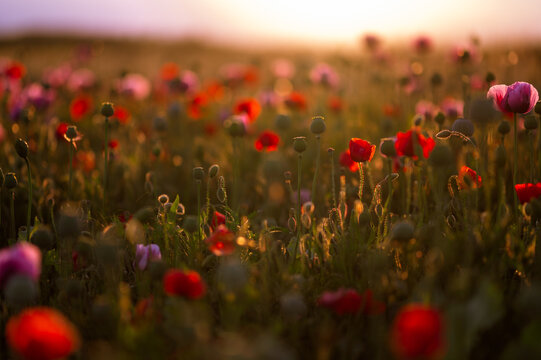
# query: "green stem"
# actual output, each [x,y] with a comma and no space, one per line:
[207,205]
[318,154]
[70,170]
[105,162]
[361,180]
[334,204]
[299,225]
[532,158]
[12,210]
[53,223]
[29,212]
[198,184]
[515,163]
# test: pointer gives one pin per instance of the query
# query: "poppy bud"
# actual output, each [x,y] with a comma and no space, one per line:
[538,107]
[190,223]
[402,231]
[299,144]
[160,123]
[436,79]
[490,77]
[482,111]
[504,128]
[107,109]
[71,132]
[10,181]
[440,118]
[21,147]
[43,238]
[417,121]
[440,156]
[318,125]
[236,128]
[387,148]
[283,122]
[530,123]
[213,170]
[501,156]
[463,126]
[198,173]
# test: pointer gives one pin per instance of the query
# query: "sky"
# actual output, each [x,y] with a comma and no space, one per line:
[275,22]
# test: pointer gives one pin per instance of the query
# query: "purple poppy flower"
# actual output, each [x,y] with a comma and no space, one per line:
[144,254]
[519,98]
[20,259]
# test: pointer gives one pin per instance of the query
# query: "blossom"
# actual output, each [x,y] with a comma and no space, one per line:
[283,68]
[422,44]
[169,71]
[325,75]
[186,284]
[527,192]
[425,108]
[144,254]
[80,107]
[468,177]
[134,85]
[113,144]
[361,150]
[217,219]
[81,79]
[248,106]
[20,259]
[349,301]
[417,332]
[15,70]
[267,141]
[347,162]
[39,96]
[296,101]
[196,105]
[452,108]
[121,114]
[60,131]
[42,333]
[336,104]
[405,143]
[519,97]
[221,242]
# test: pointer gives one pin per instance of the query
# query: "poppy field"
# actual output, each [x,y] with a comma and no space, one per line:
[182,201]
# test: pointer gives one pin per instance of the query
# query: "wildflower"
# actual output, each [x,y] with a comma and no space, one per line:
[527,192]
[169,71]
[249,106]
[372,42]
[336,104]
[196,105]
[422,44]
[145,254]
[296,101]
[283,68]
[417,332]
[134,85]
[113,144]
[121,114]
[15,70]
[217,219]
[519,97]
[425,108]
[221,242]
[42,333]
[404,143]
[81,79]
[325,75]
[186,284]
[452,108]
[361,150]
[20,259]
[347,162]
[267,141]
[467,177]
[349,301]
[80,107]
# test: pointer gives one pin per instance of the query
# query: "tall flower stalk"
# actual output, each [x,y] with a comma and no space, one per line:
[21,147]
[317,127]
[107,111]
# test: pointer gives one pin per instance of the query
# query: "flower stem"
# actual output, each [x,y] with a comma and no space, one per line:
[361,180]
[299,225]
[70,170]
[105,162]
[532,158]
[198,184]
[515,163]
[318,154]
[334,204]
[12,210]
[29,212]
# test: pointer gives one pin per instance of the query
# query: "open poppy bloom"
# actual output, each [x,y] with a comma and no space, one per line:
[467,178]
[417,333]
[15,70]
[404,144]
[519,97]
[196,105]
[527,192]
[42,333]
[250,107]
[349,301]
[296,101]
[361,150]
[169,71]
[347,162]
[21,258]
[121,114]
[186,284]
[221,242]
[61,131]
[80,107]
[267,141]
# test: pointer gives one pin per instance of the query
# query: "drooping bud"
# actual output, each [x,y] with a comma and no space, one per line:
[21,147]
[213,170]
[387,147]
[10,181]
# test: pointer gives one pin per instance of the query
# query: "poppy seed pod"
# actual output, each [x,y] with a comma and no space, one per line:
[530,123]
[107,109]
[21,147]
[213,170]
[43,238]
[236,127]
[318,125]
[10,181]
[463,126]
[441,156]
[387,148]
[439,118]
[299,144]
[482,111]
[71,132]
[402,231]
[504,128]
[436,79]
[198,173]
[282,122]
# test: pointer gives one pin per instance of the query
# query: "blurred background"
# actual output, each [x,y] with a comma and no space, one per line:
[264,23]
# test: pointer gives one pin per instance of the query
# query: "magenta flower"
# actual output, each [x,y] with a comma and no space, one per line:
[20,259]
[134,85]
[144,254]
[520,97]
[325,75]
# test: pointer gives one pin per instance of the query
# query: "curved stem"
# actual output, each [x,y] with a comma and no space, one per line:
[29,212]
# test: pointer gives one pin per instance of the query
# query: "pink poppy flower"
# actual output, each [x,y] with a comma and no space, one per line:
[20,259]
[144,254]
[519,97]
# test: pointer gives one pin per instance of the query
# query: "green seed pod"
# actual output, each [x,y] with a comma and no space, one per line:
[43,238]
[144,215]
[190,223]
[283,122]
[504,128]
[235,127]
[107,109]
[10,181]
[299,144]
[318,125]
[198,173]
[530,122]
[213,170]
[20,291]
[21,147]
[463,126]
[436,79]
[440,118]
[387,147]
[71,132]
[402,231]
[441,156]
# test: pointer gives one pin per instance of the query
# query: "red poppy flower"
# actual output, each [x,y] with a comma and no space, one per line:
[121,114]
[249,106]
[336,104]
[221,242]
[61,131]
[186,284]
[417,333]
[349,301]
[296,101]
[169,71]
[15,70]
[267,141]
[215,90]
[404,143]
[361,150]
[347,162]
[196,104]
[113,144]
[80,107]
[391,110]
[473,179]
[42,333]
[250,75]
[217,219]
[527,192]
